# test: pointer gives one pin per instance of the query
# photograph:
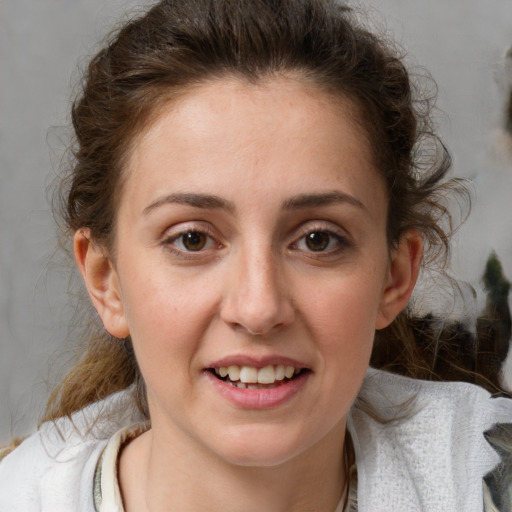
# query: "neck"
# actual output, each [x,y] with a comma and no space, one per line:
[156,475]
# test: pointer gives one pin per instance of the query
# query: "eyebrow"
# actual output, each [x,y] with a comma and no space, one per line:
[298,202]
[195,200]
[322,199]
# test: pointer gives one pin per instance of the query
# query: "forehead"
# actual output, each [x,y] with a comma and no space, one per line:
[280,134]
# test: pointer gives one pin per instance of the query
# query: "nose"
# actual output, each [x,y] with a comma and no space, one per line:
[257,300]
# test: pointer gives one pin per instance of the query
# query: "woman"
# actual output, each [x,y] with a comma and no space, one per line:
[250,205]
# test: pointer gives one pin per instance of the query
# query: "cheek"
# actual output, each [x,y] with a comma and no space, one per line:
[344,313]
[342,321]
[167,318]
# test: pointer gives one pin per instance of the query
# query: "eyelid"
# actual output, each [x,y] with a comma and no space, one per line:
[174,233]
[324,226]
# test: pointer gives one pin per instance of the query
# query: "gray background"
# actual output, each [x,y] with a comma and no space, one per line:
[461,42]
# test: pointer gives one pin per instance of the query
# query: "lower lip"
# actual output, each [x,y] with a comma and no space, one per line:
[259,398]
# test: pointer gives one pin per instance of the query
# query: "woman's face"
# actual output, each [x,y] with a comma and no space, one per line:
[251,240]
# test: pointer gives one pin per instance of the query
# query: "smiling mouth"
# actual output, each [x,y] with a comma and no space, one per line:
[249,377]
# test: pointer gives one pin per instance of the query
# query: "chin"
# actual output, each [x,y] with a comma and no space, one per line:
[261,447]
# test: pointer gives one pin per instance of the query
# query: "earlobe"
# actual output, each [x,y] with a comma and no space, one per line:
[102,283]
[403,273]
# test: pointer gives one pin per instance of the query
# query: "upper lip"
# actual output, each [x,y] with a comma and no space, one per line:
[257,362]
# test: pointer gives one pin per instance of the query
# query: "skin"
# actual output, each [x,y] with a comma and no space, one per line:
[255,289]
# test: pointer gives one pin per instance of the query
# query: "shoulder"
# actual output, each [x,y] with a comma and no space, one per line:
[53,470]
[426,439]
[48,470]
[390,393]
[9,447]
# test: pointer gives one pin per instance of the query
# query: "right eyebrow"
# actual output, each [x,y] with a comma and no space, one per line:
[322,199]
[191,199]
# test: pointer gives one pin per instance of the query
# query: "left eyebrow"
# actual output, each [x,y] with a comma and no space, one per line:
[322,199]
[195,200]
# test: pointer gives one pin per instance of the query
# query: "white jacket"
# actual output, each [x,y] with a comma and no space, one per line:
[433,458]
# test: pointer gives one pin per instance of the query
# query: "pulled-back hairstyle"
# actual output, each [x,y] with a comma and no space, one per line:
[181,43]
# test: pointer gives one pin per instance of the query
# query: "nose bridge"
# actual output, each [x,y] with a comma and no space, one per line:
[256,300]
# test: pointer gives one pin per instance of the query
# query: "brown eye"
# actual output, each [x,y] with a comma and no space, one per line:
[192,243]
[194,240]
[317,240]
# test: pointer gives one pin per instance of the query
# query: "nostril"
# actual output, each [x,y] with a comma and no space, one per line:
[256,331]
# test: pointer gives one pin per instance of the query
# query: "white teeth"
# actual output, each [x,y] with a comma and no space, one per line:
[242,375]
[248,375]
[266,375]
[289,371]
[234,372]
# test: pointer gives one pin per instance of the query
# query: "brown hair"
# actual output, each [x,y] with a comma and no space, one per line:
[180,43]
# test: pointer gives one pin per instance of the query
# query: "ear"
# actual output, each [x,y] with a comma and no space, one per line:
[102,283]
[402,275]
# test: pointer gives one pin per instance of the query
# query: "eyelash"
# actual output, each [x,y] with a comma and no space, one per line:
[212,242]
[170,242]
